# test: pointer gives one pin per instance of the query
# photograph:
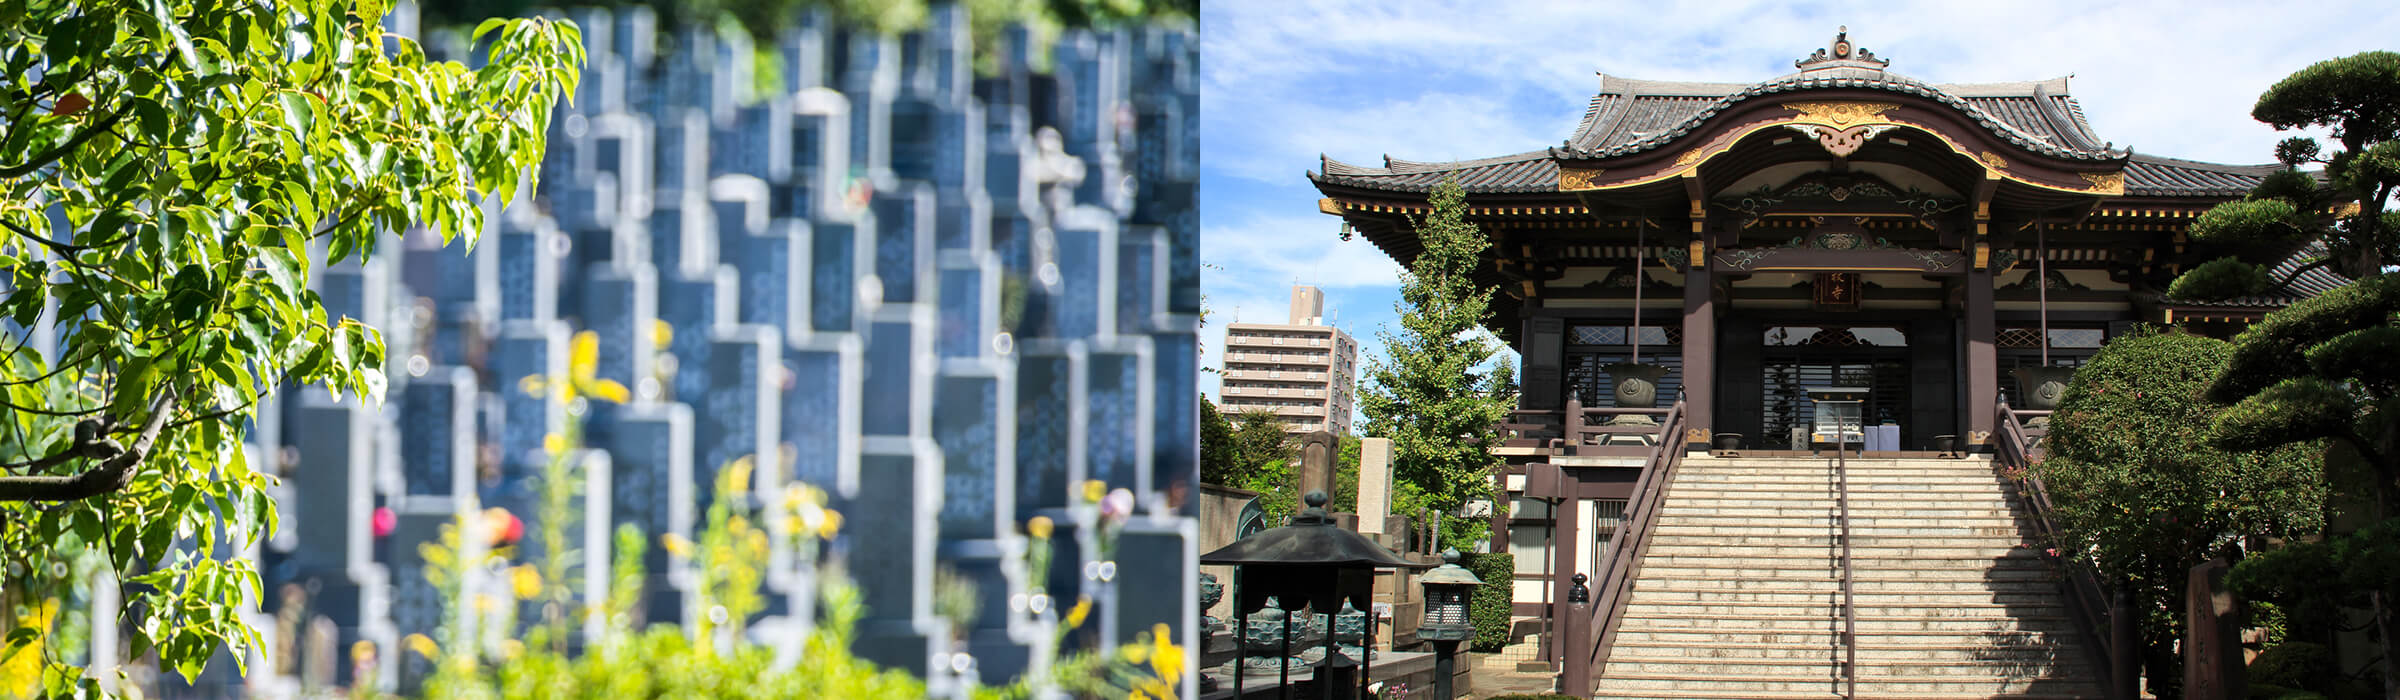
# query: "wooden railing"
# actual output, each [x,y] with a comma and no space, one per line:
[1615,585]
[2104,620]
[1580,431]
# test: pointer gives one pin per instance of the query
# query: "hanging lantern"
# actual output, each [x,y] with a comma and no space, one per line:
[1447,589]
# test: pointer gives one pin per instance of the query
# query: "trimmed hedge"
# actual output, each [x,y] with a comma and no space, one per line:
[1493,603]
[2219,279]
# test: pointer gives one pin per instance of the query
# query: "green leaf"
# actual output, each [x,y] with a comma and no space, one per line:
[298,112]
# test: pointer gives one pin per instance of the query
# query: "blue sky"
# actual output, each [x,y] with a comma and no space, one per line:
[1284,81]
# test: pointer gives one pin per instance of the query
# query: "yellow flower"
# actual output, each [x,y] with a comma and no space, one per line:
[1165,657]
[1039,526]
[510,648]
[737,475]
[533,385]
[1094,490]
[554,443]
[676,544]
[362,651]
[832,526]
[1083,607]
[611,391]
[483,603]
[526,581]
[423,646]
[583,357]
[661,333]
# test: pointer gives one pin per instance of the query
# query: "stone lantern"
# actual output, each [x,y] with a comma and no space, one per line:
[1448,590]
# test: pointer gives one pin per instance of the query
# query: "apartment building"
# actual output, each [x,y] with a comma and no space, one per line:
[1303,371]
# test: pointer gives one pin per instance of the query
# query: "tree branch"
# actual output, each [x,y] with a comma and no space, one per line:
[63,149]
[111,475]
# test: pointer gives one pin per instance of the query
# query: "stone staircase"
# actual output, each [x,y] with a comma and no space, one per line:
[1740,596]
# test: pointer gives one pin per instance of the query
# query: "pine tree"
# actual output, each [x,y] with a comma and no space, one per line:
[1428,396]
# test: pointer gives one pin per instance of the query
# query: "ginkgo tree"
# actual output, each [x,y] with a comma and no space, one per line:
[170,166]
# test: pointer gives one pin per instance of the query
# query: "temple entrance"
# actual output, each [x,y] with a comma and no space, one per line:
[1795,359]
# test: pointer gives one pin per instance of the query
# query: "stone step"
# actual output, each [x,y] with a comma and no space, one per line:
[1858,512]
[1821,529]
[2004,607]
[1830,633]
[1730,568]
[1654,694]
[1956,649]
[2050,622]
[1822,540]
[1827,660]
[1961,549]
[1857,479]
[1683,588]
[1858,499]
[1867,598]
[1857,521]
[1873,682]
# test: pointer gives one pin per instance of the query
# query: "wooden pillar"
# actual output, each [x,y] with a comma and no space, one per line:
[1983,373]
[1574,644]
[1699,350]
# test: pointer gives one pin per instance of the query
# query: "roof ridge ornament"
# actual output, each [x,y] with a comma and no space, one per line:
[1840,54]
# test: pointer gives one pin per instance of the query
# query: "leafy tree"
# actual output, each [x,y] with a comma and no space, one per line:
[1428,397]
[175,169]
[2358,98]
[2322,368]
[1504,382]
[1217,454]
[2144,497]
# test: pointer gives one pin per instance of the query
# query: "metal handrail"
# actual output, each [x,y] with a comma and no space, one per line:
[2098,616]
[1615,583]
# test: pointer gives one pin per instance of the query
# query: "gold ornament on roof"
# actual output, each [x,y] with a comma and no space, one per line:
[1994,160]
[2105,183]
[1840,53]
[1841,115]
[1573,179]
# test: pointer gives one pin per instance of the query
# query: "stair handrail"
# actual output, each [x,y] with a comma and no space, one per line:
[2015,451]
[1614,585]
[1841,471]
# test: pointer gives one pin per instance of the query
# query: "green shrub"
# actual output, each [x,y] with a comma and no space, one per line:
[1492,604]
[2245,220]
[2292,670]
[2222,278]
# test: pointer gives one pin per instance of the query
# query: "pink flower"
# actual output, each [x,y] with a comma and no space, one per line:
[385,521]
[1118,505]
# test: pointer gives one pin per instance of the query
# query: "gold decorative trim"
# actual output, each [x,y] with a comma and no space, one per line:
[1994,160]
[1978,437]
[1841,115]
[1983,256]
[1576,179]
[1696,435]
[2105,183]
[1326,205]
[1691,156]
[1699,248]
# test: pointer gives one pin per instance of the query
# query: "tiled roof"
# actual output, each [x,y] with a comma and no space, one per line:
[2171,177]
[1523,172]
[2316,281]
[1630,116]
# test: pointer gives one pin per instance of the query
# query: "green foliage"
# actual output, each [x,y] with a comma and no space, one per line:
[1219,461]
[2364,355]
[2294,410]
[2247,220]
[2139,492]
[2355,95]
[2222,278]
[1492,604]
[174,171]
[2264,354]
[1427,396]
[2293,665]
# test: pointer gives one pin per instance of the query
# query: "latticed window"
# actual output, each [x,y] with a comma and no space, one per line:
[1615,335]
[2077,338]
[1837,337]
